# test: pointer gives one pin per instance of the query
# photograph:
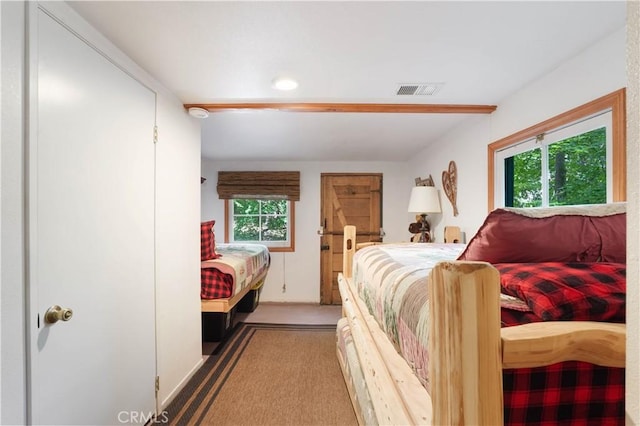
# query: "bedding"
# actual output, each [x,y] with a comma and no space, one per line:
[236,267]
[392,282]
[553,234]
[391,279]
[207,241]
[556,291]
[572,392]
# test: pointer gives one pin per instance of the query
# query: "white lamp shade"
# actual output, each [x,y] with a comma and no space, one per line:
[424,199]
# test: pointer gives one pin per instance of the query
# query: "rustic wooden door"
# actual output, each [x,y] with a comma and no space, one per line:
[346,199]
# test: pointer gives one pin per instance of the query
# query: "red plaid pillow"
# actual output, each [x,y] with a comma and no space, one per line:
[557,291]
[207,241]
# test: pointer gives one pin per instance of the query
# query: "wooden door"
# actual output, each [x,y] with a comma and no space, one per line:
[346,199]
[91,236]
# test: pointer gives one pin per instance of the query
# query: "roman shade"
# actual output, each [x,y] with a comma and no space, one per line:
[283,185]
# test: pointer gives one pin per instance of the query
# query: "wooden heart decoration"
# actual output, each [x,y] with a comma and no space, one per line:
[450,185]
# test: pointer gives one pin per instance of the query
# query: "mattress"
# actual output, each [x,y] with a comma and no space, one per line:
[391,279]
[238,266]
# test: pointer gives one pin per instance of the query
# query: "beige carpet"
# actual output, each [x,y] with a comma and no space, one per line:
[268,374]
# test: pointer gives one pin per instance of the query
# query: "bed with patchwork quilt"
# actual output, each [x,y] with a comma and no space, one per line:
[228,271]
[510,329]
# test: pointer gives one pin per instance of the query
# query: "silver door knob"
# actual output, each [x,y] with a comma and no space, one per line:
[56,313]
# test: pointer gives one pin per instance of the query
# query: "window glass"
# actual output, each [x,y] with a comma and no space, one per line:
[567,166]
[261,221]
[524,179]
[578,169]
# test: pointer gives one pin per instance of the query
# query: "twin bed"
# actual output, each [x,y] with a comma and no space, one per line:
[523,325]
[232,276]
[228,278]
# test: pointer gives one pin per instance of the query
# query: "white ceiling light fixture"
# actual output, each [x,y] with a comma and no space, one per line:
[198,112]
[284,83]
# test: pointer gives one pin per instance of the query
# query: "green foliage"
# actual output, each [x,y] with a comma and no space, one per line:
[527,178]
[260,220]
[577,172]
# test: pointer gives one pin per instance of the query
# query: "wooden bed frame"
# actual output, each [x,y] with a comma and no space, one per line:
[227,304]
[467,348]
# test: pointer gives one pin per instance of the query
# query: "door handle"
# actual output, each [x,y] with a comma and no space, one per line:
[56,313]
[324,247]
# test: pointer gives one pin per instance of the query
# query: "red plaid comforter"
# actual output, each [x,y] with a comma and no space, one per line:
[568,393]
[236,267]
[215,284]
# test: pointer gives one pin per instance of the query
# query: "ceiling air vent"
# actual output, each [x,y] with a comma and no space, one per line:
[419,89]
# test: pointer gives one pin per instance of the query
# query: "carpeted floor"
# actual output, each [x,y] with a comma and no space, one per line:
[268,374]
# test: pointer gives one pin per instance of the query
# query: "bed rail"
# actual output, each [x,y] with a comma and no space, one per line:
[544,343]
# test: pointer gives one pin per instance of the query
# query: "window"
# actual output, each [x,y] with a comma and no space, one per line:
[264,221]
[567,166]
[578,157]
[260,207]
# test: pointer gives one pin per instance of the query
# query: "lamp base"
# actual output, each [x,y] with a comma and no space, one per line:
[425,237]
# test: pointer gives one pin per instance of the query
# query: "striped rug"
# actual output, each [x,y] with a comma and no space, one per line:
[268,374]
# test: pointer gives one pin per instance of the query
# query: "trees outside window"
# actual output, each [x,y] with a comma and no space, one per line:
[576,172]
[264,221]
[571,165]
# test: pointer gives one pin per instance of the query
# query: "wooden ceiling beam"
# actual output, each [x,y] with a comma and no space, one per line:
[349,107]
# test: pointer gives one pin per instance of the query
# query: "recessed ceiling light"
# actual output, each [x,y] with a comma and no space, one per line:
[198,112]
[284,83]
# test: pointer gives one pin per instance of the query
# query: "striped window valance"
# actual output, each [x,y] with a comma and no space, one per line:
[259,185]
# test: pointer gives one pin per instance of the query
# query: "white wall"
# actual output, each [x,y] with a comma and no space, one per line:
[0,208]
[595,72]
[178,332]
[300,270]
[178,323]
[633,215]
[12,291]
[467,146]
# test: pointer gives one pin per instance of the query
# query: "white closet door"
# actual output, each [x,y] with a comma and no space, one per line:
[91,225]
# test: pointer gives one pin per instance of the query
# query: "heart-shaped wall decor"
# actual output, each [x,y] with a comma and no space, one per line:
[450,185]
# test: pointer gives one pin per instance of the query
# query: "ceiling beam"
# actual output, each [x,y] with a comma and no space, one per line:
[349,107]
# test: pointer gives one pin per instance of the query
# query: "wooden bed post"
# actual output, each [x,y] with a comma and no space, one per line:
[349,248]
[465,367]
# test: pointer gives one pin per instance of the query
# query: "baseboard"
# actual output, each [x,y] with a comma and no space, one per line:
[180,385]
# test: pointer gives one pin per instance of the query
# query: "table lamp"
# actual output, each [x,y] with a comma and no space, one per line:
[424,200]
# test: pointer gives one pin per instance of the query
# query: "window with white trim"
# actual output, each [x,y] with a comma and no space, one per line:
[570,165]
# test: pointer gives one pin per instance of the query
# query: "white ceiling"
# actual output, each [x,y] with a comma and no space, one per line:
[217,52]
